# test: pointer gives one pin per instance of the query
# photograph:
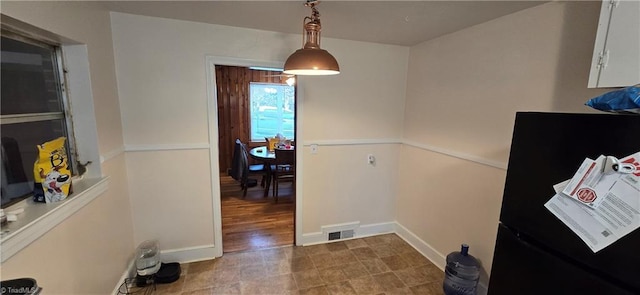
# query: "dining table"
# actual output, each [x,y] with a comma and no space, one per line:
[263,155]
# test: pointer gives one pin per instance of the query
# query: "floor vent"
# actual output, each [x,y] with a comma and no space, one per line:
[335,236]
[340,231]
[347,234]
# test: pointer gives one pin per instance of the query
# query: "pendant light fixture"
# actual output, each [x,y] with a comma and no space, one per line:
[311,59]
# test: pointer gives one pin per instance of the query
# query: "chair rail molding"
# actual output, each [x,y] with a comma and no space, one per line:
[361,141]
[456,154]
[165,147]
[111,154]
[422,146]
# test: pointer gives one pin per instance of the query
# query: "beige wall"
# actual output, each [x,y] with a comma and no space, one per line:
[88,252]
[171,197]
[462,94]
[341,187]
[162,84]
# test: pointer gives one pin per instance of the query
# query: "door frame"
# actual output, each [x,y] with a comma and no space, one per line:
[212,121]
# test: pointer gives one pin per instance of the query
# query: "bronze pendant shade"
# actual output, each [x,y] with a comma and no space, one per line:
[311,59]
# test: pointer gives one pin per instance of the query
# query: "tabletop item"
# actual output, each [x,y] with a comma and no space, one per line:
[261,153]
[271,143]
[284,144]
[278,142]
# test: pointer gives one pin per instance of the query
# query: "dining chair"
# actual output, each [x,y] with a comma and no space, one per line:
[241,169]
[237,167]
[283,169]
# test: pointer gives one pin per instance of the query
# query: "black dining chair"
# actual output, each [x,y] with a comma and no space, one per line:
[283,169]
[241,169]
[236,162]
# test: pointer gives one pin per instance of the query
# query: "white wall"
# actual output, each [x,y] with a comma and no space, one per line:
[88,252]
[462,94]
[163,97]
[347,188]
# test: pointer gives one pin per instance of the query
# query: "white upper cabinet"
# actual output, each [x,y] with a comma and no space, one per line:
[616,54]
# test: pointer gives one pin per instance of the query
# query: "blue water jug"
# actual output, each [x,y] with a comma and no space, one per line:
[461,273]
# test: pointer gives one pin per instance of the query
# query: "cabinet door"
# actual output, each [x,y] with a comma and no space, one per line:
[616,58]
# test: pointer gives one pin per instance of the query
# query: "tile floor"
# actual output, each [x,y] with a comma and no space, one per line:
[382,264]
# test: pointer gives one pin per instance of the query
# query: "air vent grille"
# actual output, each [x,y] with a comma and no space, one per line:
[340,231]
[345,234]
[334,236]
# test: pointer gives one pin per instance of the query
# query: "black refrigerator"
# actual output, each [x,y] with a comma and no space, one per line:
[535,252]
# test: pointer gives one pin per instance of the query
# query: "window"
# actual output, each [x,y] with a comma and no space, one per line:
[33,110]
[272,110]
[42,107]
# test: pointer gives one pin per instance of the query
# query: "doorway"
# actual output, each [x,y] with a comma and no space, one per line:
[251,105]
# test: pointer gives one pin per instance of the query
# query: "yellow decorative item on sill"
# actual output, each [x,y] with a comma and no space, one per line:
[51,172]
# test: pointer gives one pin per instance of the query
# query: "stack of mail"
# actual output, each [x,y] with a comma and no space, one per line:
[601,202]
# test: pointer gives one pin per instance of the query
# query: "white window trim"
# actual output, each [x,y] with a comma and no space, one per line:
[39,218]
[80,99]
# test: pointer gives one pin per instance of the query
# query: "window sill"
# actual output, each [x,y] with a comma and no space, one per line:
[38,218]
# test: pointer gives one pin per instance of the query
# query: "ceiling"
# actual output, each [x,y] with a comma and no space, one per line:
[390,22]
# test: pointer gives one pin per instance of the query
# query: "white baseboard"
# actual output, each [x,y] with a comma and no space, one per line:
[437,258]
[130,272]
[425,249]
[186,255]
[312,239]
[360,232]
[376,229]
[200,253]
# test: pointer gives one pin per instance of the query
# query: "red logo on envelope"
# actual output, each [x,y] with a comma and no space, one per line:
[635,163]
[586,195]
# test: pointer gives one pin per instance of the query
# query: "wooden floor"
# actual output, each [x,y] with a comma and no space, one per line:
[255,222]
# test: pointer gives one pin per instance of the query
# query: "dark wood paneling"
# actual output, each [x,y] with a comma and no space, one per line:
[233,106]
